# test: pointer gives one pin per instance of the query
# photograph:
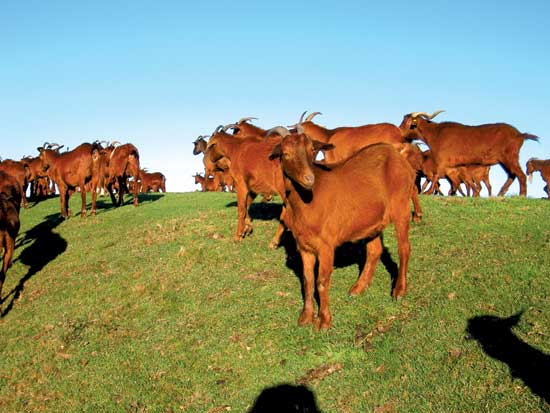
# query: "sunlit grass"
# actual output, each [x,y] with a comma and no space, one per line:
[156,308]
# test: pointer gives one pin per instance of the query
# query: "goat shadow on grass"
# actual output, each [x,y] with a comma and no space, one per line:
[42,246]
[496,338]
[285,398]
[264,211]
[105,203]
[350,253]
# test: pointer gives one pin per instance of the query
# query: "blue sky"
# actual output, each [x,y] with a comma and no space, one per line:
[158,74]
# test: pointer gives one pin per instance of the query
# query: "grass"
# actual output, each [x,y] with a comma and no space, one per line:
[157,309]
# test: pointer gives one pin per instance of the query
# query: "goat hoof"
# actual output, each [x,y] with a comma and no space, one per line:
[305,319]
[273,245]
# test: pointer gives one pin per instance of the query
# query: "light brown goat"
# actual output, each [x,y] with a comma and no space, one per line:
[354,200]
[543,166]
[349,140]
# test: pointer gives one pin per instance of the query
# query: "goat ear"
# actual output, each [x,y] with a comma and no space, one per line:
[322,146]
[276,152]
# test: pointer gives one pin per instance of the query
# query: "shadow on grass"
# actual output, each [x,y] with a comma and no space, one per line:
[350,253]
[42,246]
[104,203]
[285,398]
[496,338]
[265,211]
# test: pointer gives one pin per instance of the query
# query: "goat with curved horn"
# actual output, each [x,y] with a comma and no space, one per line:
[311,116]
[226,127]
[246,119]
[426,115]
[280,130]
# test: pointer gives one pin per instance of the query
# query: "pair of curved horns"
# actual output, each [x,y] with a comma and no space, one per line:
[279,130]
[426,115]
[309,117]
[246,119]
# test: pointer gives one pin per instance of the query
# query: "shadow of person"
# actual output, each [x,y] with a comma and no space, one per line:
[285,398]
[42,246]
[498,341]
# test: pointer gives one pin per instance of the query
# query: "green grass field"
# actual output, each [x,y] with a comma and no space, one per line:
[157,309]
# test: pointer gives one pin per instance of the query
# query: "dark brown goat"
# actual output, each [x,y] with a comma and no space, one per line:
[351,201]
[252,173]
[543,166]
[10,203]
[20,171]
[348,140]
[454,144]
[122,162]
[152,181]
[70,170]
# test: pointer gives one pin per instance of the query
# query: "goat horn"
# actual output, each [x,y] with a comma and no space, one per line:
[113,143]
[231,125]
[46,144]
[311,116]
[217,130]
[52,145]
[426,115]
[281,130]
[302,117]
[246,119]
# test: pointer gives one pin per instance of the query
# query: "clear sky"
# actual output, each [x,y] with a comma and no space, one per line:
[160,73]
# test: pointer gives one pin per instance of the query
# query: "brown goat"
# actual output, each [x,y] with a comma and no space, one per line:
[70,170]
[252,173]
[543,166]
[351,201]
[349,140]
[20,171]
[454,144]
[152,181]
[122,163]
[243,129]
[10,203]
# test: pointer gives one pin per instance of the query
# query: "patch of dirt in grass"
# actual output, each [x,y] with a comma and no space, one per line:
[365,338]
[319,373]
[262,276]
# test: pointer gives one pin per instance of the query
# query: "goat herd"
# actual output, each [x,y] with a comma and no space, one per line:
[366,180]
[90,167]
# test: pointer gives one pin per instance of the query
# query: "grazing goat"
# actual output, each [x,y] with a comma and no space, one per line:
[350,201]
[348,140]
[454,144]
[252,173]
[10,203]
[70,170]
[543,166]
[152,181]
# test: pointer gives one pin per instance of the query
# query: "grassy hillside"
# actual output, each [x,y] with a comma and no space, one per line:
[157,309]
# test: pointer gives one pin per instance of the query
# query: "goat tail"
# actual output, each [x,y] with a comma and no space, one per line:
[530,136]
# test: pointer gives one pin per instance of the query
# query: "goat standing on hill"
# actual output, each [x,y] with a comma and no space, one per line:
[350,201]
